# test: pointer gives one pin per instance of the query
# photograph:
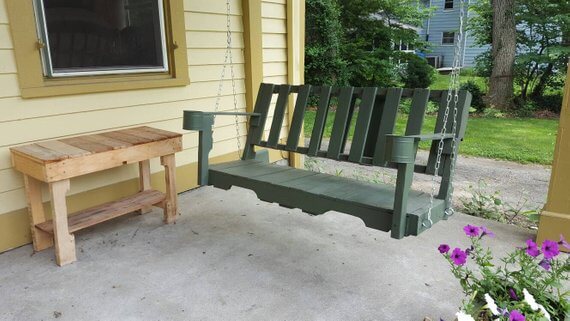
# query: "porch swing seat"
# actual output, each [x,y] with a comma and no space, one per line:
[398,208]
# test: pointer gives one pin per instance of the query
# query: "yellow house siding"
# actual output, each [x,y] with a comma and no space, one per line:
[26,120]
[274,27]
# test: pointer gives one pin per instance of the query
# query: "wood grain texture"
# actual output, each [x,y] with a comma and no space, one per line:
[64,241]
[101,213]
[40,239]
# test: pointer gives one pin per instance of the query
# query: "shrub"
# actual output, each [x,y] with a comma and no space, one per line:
[551,102]
[477,101]
[525,108]
[324,34]
[406,106]
[528,284]
[493,113]
[418,73]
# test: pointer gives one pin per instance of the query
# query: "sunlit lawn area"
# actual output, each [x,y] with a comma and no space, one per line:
[441,82]
[521,140]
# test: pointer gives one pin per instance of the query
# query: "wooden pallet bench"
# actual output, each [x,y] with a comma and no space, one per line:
[373,111]
[56,162]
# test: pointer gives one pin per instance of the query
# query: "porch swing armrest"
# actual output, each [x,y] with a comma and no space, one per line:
[434,137]
[202,120]
[402,149]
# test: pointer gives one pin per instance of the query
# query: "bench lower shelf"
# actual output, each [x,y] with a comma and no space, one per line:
[107,211]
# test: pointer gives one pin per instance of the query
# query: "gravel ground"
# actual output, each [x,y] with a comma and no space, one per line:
[519,185]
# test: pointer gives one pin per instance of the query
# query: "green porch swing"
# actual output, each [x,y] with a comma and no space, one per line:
[398,208]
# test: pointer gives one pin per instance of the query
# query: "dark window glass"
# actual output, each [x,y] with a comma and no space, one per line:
[104,35]
[448,4]
[448,38]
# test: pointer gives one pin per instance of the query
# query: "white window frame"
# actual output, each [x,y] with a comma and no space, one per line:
[41,27]
[443,37]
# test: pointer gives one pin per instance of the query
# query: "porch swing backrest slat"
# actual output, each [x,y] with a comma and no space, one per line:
[377,117]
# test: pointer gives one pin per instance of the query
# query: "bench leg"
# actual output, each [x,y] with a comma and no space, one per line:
[144,182]
[64,242]
[41,240]
[171,202]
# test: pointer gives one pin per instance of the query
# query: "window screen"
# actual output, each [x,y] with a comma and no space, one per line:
[102,36]
[448,4]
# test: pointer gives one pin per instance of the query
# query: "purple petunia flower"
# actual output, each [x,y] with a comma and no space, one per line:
[531,248]
[471,231]
[513,294]
[516,316]
[550,249]
[458,256]
[443,248]
[545,264]
[487,232]
[563,242]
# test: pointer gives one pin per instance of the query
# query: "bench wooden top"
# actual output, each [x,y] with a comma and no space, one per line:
[74,147]
[59,159]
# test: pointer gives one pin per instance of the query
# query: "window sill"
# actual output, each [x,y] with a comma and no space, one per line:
[86,85]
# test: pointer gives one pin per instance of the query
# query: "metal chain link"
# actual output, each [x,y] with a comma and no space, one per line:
[452,95]
[228,60]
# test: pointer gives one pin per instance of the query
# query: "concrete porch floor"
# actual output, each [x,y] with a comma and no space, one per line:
[233,257]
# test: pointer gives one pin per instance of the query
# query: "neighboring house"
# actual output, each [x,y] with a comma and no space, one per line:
[124,63]
[441,29]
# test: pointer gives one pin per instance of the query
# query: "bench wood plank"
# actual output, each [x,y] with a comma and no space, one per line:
[362,124]
[320,120]
[278,115]
[341,121]
[298,117]
[104,212]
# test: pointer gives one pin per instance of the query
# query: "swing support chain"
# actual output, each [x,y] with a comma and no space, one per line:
[452,98]
[229,61]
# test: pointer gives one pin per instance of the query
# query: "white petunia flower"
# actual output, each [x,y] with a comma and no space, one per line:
[491,305]
[462,316]
[546,314]
[530,300]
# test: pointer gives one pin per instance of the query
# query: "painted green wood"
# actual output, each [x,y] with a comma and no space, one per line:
[320,120]
[362,124]
[278,115]
[417,112]
[389,208]
[387,124]
[349,122]
[262,104]
[445,187]
[374,126]
[298,115]
[463,105]
[340,122]
[318,193]
[403,185]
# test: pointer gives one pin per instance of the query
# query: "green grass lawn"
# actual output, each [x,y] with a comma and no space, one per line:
[521,140]
[441,82]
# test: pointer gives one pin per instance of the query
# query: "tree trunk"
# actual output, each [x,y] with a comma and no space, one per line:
[503,49]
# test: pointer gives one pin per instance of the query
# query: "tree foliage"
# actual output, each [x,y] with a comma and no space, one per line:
[323,61]
[418,74]
[364,47]
[543,39]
